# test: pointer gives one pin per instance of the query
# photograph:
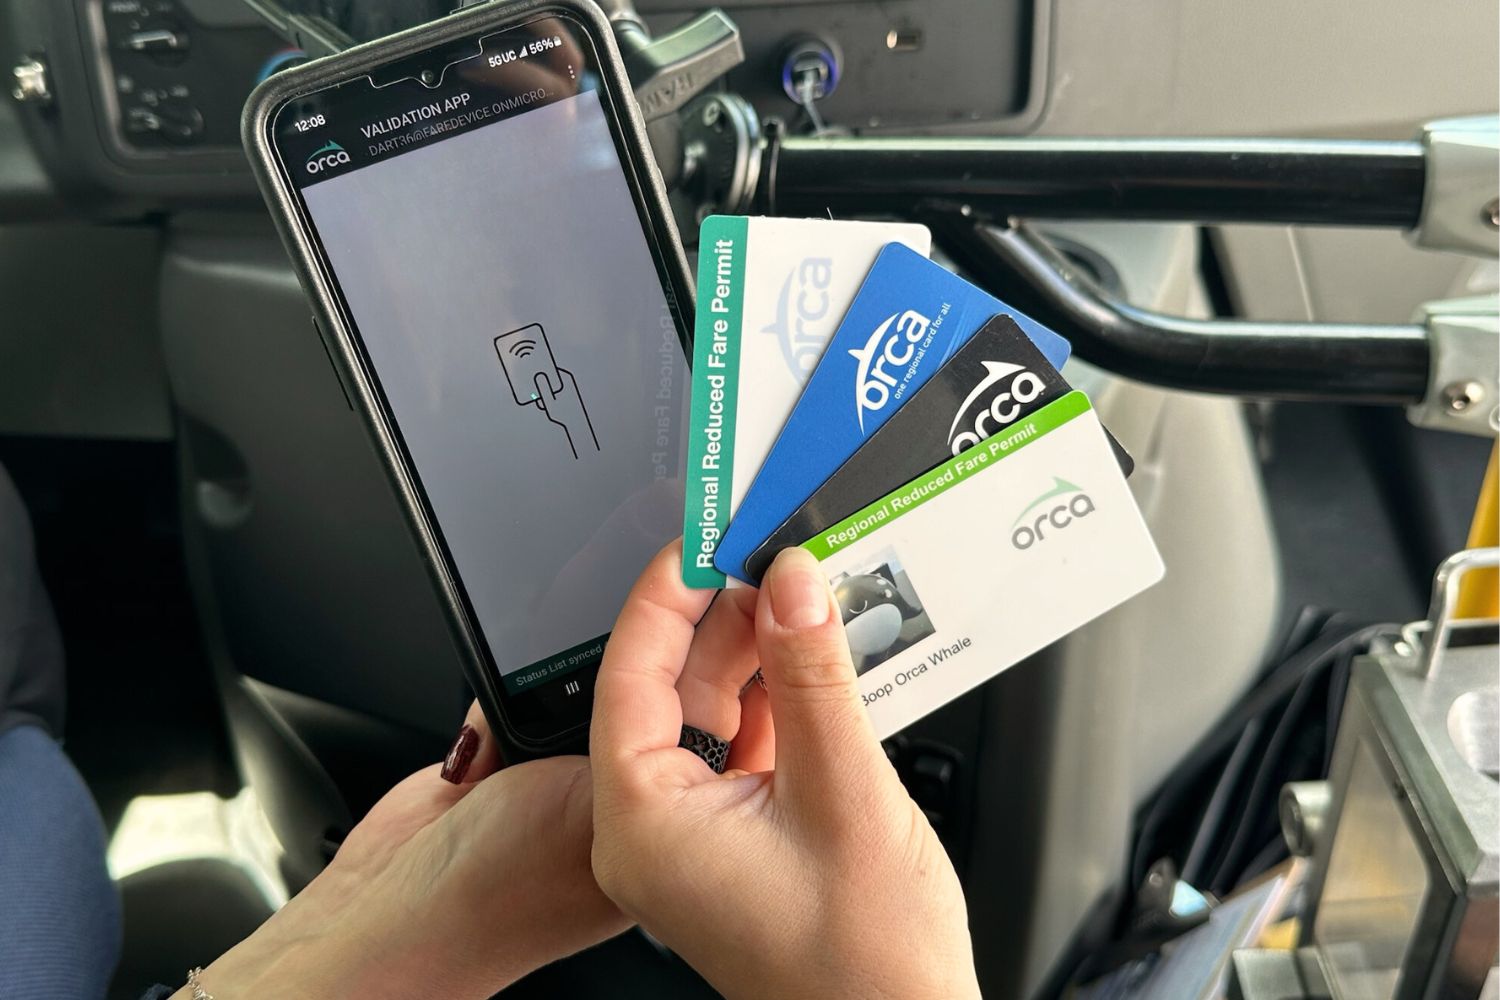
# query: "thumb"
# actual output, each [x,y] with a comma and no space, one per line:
[824,742]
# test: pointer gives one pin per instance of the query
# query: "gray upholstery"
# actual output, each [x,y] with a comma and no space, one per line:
[31,657]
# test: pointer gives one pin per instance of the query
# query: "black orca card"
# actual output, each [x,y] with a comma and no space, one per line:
[997,377]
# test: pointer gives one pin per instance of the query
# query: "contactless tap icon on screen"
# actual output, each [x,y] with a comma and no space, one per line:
[536,380]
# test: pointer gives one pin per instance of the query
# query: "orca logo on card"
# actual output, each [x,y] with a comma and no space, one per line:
[883,358]
[800,314]
[1004,407]
[1055,510]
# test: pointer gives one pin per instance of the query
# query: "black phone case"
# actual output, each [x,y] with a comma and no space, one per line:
[640,172]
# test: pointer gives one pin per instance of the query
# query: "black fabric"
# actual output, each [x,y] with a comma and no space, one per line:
[158,993]
[31,658]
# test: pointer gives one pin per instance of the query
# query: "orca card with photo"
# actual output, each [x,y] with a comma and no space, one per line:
[909,317]
[976,564]
[993,380]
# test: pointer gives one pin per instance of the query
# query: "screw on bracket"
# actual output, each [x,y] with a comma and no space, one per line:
[1459,396]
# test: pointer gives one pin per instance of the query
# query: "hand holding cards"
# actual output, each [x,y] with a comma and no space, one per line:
[968,507]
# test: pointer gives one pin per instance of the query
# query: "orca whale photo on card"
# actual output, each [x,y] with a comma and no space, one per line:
[883,614]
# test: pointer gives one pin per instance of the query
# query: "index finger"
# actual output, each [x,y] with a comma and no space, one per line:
[636,707]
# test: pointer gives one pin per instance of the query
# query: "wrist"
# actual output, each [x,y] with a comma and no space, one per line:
[273,962]
[315,945]
[359,951]
[922,973]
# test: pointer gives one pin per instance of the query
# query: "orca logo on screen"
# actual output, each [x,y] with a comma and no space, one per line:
[1056,510]
[331,154]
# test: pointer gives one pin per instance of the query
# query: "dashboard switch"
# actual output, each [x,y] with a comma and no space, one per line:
[157,40]
[174,121]
[175,75]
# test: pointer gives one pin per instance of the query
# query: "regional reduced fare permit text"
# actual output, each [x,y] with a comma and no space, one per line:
[717,362]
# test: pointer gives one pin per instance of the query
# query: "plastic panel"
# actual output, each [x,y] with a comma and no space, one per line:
[78,349]
[319,586]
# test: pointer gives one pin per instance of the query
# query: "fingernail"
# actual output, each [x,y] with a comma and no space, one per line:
[461,755]
[799,592]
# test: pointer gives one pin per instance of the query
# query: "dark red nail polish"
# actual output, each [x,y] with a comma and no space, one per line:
[461,755]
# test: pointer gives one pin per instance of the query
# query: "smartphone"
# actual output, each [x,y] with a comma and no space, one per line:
[474,212]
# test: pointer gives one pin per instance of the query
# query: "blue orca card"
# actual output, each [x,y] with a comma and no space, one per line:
[910,315]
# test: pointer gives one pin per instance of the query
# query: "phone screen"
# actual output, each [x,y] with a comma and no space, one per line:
[510,303]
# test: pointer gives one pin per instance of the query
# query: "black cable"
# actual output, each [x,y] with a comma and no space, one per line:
[1305,627]
[1307,623]
[1263,860]
[1283,680]
[1187,773]
[807,83]
[1218,803]
[1264,776]
[1338,690]
[1278,764]
[1314,643]
[1275,685]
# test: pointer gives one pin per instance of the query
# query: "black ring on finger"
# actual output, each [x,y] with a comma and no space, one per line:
[711,749]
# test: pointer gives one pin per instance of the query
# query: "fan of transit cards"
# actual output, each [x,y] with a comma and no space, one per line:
[856,399]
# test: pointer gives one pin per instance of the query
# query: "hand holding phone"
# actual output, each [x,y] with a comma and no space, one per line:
[410,913]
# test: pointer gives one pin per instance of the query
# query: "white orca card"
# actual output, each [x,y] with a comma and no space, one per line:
[973,566]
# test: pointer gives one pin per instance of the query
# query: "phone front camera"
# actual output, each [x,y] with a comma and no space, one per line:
[429,78]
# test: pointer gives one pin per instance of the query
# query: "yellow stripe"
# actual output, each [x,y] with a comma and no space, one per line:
[1479,591]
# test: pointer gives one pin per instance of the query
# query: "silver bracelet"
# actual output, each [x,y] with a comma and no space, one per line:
[199,993]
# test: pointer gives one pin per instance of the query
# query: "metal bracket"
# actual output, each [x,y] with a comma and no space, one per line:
[669,71]
[1461,197]
[721,155]
[1463,378]
[1429,638]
